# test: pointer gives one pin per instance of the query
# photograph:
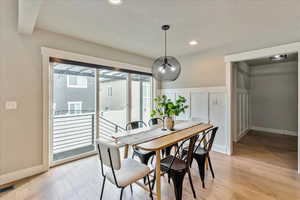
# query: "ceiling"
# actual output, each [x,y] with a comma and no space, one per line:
[265,61]
[135,25]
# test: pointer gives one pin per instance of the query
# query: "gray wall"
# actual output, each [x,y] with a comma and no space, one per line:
[21,81]
[62,94]
[274,96]
[200,70]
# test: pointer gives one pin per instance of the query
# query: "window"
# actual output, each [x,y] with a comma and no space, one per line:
[74,107]
[76,81]
[109,91]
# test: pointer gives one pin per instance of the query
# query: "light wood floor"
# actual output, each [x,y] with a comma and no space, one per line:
[275,149]
[237,178]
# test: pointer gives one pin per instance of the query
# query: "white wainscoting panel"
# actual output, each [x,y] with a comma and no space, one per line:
[217,115]
[243,121]
[207,104]
[200,106]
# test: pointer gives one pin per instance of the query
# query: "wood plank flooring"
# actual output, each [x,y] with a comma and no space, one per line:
[237,178]
[276,149]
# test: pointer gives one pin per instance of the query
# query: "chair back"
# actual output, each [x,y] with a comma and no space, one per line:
[109,154]
[155,121]
[210,137]
[186,158]
[191,150]
[135,125]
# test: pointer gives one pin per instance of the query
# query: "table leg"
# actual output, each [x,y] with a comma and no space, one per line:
[157,173]
[126,151]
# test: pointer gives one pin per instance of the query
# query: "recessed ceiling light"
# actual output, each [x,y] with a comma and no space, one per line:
[279,57]
[193,42]
[115,2]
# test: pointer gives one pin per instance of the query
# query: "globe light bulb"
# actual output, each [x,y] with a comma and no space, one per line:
[173,69]
[162,69]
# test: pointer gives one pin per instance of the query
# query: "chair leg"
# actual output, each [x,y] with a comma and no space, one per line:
[121,195]
[154,179]
[210,166]
[149,183]
[152,158]
[178,182]
[131,189]
[201,166]
[191,183]
[101,195]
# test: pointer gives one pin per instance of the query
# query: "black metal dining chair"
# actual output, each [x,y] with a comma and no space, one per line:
[167,150]
[143,155]
[177,166]
[155,121]
[201,152]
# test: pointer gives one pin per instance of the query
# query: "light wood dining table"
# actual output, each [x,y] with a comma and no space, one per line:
[162,142]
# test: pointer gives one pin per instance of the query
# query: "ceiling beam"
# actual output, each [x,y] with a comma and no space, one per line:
[28,14]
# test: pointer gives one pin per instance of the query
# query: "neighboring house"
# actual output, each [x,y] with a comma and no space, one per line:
[73,94]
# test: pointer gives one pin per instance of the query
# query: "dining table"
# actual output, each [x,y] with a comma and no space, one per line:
[156,139]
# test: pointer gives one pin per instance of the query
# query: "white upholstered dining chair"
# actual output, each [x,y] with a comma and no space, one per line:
[120,173]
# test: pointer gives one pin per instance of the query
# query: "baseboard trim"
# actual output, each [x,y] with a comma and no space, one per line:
[23,173]
[240,136]
[277,131]
[219,148]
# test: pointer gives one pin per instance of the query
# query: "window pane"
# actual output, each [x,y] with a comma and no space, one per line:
[113,97]
[141,97]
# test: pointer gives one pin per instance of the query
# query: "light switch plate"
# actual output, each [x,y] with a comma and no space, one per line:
[11,105]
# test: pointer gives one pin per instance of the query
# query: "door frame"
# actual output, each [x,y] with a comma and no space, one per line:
[47,53]
[230,107]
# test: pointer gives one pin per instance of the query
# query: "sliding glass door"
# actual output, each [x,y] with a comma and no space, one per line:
[89,102]
[74,108]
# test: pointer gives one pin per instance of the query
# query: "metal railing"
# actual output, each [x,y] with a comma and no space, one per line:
[73,131]
[108,128]
[78,130]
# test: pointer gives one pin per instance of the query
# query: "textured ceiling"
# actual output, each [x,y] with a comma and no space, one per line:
[134,26]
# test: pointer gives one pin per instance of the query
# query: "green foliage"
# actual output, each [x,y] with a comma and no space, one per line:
[165,107]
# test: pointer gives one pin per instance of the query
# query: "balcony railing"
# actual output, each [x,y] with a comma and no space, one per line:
[75,134]
[73,131]
[108,128]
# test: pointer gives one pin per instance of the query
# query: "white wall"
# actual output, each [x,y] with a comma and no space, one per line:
[208,105]
[200,70]
[274,97]
[21,81]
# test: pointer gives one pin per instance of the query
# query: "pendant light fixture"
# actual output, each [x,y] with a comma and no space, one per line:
[166,68]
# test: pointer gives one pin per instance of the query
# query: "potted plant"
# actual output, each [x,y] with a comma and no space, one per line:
[167,109]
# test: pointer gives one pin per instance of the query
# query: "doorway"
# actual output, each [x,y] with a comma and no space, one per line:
[231,98]
[266,92]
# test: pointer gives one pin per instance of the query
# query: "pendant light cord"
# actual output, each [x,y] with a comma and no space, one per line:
[165,43]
